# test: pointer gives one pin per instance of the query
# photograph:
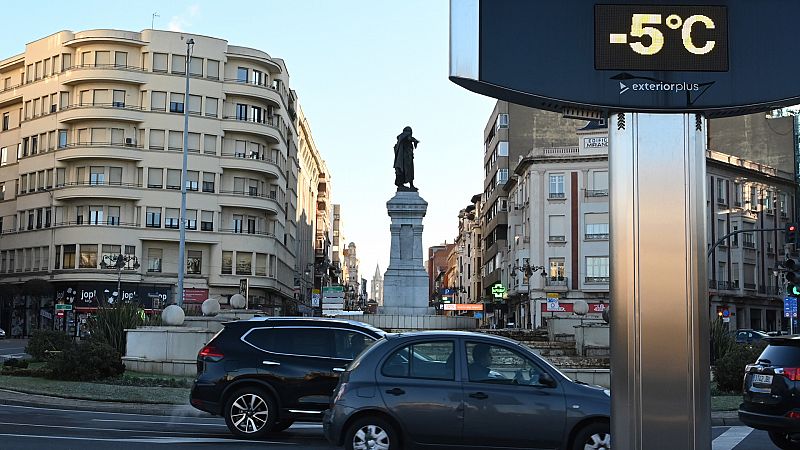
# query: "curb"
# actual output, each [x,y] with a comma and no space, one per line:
[15,398]
[725,419]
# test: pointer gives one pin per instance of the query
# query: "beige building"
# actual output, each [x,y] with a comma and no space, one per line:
[90,158]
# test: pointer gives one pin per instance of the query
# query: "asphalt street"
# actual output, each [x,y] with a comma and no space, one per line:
[33,428]
[12,348]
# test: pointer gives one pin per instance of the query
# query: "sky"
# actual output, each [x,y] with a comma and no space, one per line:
[362,69]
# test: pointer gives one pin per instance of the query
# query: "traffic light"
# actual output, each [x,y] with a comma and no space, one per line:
[792,277]
[791,233]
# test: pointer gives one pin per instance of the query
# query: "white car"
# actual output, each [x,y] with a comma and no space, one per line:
[2,334]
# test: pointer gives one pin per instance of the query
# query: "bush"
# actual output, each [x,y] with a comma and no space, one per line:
[39,372]
[110,323]
[729,371]
[42,342]
[722,340]
[89,360]
[17,363]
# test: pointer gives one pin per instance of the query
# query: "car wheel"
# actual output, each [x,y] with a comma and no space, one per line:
[250,412]
[371,433]
[282,425]
[785,441]
[593,436]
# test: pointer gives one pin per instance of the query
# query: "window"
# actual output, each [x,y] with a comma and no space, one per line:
[241,74]
[212,68]
[207,221]
[175,140]
[172,218]
[176,102]
[110,253]
[62,138]
[193,142]
[227,263]
[157,139]
[753,198]
[502,148]
[237,223]
[61,174]
[173,179]
[158,101]
[192,180]
[3,156]
[121,59]
[596,226]
[159,62]
[238,185]
[722,194]
[115,175]
[191,219]
[102,58]
[6,121]
[88,256]
[153,217]
[434,360]
[258,78]
[597,269]
[118,99]
[241,111]
[496,364]
[502,176]
[556,186]
[287,341]
[68,261]
[154,259]
[244,263]
[178,64]
[502,120]
[113,215]
[256,114]
[252,188]
[155,178]
[97,176]
[210,144]
[273,264]
[194,261]
[599,184]
[95,215]
[208,181]
[261,264]
[557,229]
[240,148]
[196,66]
[557,269]
[211,106]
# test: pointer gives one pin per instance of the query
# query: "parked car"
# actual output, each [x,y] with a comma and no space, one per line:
[264,373]
[462,390]
[745,336]
[772,392]
[2,334]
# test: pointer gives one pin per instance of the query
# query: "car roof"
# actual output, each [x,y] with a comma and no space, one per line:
[450,334]
[783,340]
[283,320]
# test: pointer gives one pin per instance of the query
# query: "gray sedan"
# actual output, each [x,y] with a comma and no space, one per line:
[462,390]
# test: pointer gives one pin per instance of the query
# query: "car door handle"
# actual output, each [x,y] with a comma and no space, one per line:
[479,395]
[395,391]
[270,363]
[339,369]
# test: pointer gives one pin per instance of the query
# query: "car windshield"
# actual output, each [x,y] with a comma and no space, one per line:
[369,348]
[781,355]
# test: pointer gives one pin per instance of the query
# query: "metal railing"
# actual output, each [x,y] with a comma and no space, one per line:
[246,231]
[269,195]
[596,237]
[555,281]
[597,193]
[605,280]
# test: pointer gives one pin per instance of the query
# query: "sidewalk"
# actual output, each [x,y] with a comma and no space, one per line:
[718,418]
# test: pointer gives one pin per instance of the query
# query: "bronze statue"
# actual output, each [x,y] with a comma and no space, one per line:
[404,160]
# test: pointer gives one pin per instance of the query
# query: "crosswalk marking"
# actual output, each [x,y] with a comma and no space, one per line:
[731,438]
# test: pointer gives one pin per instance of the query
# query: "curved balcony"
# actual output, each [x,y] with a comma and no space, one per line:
[11,95]
[235,86]
[240,199]
[103,72]
[99,150]
[84,189]
[101,111]
[265,128]
[239,161]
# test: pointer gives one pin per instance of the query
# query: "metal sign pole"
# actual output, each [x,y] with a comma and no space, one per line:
[659,332]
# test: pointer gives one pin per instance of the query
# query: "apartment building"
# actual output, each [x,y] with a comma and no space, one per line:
[90,168]
[337,266]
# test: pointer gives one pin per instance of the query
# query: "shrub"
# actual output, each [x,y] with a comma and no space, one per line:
[729,371]
[42,342]
[110,323]
[15,362]
[90,360]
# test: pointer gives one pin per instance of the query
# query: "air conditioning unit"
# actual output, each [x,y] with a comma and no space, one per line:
[129,141]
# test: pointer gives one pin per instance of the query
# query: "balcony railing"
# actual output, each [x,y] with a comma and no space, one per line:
[556,195]
[597,237]
[246,231]
[269,195]
[750,286]
[555,281]
[597,280]
[557,238]
[747,244]
[597,193]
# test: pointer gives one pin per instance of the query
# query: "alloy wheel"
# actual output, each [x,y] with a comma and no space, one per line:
[371,437]
[598,441]
[249,413]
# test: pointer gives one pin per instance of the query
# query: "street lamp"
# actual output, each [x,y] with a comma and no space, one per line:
[182,242]
[119,262]
[528,270]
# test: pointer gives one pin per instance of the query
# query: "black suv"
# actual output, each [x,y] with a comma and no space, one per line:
[772,392]
[264,373]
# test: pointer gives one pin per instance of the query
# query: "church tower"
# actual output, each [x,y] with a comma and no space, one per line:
[376,293]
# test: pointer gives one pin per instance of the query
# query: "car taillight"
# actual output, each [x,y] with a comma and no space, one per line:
[792,373]
[793,415]
[210,352]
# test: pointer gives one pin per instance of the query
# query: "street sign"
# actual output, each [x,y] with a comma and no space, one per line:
[315,298]
[463,307]
[552,304]
[498,290]
[627,55]
[63,307]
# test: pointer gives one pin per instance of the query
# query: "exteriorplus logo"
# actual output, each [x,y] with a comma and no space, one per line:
[659,86]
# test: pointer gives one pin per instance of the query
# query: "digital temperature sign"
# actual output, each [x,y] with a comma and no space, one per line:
[661,38]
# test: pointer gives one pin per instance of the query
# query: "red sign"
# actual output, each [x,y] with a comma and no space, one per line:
[193,295]
[594,308]
[463,307]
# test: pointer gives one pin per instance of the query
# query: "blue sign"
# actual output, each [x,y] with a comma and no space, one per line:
[790,307]
[478,315]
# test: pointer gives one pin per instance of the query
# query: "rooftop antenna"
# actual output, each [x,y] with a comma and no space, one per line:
[153,20]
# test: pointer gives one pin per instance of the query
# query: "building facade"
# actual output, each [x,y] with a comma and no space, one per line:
[338,247]
[90,168]
[351,277]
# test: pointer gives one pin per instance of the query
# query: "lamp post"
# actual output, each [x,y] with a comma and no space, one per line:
[119,262]
[528,270]
[182,242]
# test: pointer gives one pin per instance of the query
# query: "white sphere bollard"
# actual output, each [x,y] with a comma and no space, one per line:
[210,307]
[237,301]
[580,307]
[173,315]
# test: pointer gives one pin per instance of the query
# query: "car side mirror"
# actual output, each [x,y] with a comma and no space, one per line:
[545,379]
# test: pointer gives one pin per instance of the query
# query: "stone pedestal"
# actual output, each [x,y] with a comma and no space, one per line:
[405,282]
